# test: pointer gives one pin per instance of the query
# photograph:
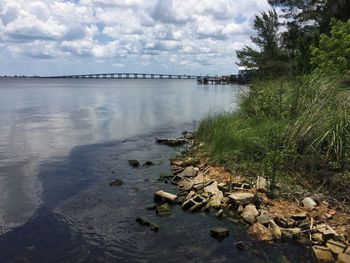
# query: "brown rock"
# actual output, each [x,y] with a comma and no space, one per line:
[275,229]
[322,254]
[250,213]
[260,232]
[335,246]
[242,198]
[343,258]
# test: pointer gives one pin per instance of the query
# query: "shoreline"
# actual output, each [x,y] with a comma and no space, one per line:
[302,217]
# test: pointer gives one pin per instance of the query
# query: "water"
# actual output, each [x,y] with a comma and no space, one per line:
[63,141]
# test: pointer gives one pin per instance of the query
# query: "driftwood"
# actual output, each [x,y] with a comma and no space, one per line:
[172,141]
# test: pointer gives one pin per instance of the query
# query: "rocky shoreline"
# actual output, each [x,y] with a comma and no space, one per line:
[306,218]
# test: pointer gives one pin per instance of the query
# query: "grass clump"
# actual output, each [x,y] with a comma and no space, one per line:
[285,126]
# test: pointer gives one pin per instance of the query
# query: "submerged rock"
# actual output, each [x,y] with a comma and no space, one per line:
[219,232]
[116,182]
[322,254]
[148,223]
[134,163]
[163,210]
[149,163]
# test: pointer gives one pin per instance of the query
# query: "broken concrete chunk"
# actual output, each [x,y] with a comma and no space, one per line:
[250,213]
[275,229]
[327,231]
[335,246]
[148,223]
[343,258]
[309,203]
[189,171]
[194,203]
[185,183]
[161,195]
[261,184]
[322,254]
[242,198]
[219,232]
[199,179]
[163,210]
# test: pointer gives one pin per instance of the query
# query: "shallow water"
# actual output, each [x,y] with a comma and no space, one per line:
[63,141]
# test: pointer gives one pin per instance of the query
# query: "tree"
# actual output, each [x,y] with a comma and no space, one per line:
[333,53]
[270,58]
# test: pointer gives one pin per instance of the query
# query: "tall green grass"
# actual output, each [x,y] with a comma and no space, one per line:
[283,126]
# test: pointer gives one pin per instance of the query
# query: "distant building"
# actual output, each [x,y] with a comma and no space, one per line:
[244,71]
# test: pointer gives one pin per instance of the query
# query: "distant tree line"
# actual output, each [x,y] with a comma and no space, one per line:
[314,35]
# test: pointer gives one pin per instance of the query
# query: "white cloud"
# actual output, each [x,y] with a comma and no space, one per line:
[176,33]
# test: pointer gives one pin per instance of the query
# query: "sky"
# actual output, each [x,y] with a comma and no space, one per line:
[56,37]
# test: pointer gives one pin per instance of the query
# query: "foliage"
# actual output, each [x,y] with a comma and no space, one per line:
[270,58]
[333,53]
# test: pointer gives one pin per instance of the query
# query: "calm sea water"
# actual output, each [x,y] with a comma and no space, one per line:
[63,141]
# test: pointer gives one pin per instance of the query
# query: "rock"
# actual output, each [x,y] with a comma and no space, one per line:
[299,216]
[250,213]
[171,142]
[219,232]
[317,237]
[260,232]
[149,163]
[177,162]
[148,223]
[185,183]
[343,258]
[327,231]
[335,246]
[161,195]
[189,171]
[134,163]
[261,184]
[242,198]
[264,219]
[285,222]
[275,229]
[116,182]
[163,210]
[199,179]
[240,209]
[294,231]
[347,251]
[309,203]
[322,254]
[217,195]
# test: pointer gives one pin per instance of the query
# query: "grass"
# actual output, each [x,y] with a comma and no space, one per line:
[285,126]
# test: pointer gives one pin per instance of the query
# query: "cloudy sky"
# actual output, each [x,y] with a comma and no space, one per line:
[95,36]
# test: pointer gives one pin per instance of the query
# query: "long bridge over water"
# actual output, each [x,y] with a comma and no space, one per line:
[238,78]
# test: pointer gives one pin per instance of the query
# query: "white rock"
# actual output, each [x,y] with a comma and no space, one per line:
[309,203]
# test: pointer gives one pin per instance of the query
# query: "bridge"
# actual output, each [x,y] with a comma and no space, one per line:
[238,78]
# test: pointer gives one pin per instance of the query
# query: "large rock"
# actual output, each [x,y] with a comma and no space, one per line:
[309,203]
[242,198]
[275,229]
[261,184]
[264,218]
[322,254]
[199,178]
[335,246]
[260,232]
[185,184]
[343,258]
[250,213]
[219,232]
[216,194]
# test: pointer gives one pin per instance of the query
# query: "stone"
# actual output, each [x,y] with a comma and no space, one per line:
[216,194]
[161,195]
[299,216]
[335,246]
[309,203]
[264,218]
[219,232]
[290,232]
[116,182]
[185,184]
[327,231]
[242,198]
[260,232]
[240,209]
[322,254]
[261,184]
[275,229]
[250,213]
[148,223]
[317,237]
[343,258]
[285,222]
[189,171]
[199,179]
[134,163]
[163,210]
[347,251]
[149,163]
